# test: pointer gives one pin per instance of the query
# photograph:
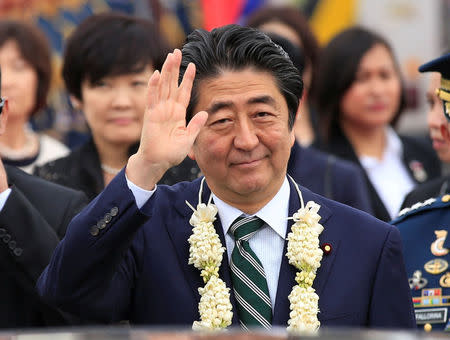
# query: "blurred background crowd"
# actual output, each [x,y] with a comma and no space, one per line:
[417,31]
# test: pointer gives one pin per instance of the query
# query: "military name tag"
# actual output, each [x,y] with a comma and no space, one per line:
[432,315]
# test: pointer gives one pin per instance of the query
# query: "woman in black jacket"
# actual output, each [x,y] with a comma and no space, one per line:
[359,98]
[107,63]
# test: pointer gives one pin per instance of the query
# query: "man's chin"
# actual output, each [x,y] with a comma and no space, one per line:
[246,187]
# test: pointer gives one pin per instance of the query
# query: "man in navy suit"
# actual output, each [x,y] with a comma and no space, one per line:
[34,215]
[125,256]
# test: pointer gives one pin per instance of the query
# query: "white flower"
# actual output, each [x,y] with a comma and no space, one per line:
[204,213]
[304,310]
[305,254]
[214,307]
[206,249]
[205,253]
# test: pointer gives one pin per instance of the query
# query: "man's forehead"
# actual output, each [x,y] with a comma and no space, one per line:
[219,104]
[246,87]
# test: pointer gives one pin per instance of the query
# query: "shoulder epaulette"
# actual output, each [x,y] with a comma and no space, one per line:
[429,204]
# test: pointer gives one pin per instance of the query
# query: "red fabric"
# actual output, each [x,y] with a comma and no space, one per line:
[218,12]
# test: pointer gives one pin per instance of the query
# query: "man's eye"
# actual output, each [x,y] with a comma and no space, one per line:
[262,114]
[221,121]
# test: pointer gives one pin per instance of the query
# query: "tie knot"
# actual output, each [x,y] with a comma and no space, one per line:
[243,228]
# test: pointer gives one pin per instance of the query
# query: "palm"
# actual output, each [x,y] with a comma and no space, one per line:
[166,140]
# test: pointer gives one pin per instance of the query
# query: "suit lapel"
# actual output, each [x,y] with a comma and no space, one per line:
[179,235]
[287,272]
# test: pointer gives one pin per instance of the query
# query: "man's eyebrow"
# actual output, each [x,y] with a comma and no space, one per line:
[263,100]
[256,100]
[219,106]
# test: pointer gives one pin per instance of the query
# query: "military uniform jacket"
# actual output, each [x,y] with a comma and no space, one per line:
[424,230]
[119,262]
[434,188]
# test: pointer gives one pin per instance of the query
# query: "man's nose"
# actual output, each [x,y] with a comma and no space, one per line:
[245,137]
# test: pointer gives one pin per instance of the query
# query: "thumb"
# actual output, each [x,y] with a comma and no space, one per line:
[195,125]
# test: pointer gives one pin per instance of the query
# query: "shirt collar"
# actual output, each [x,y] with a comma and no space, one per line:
[394,148]
[394,144]
[274,213]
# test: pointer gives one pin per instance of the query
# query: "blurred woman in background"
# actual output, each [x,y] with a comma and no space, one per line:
[289,23]
[360,97]
[107,63]
[26,75]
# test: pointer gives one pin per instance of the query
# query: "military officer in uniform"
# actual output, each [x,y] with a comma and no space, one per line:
[437,121]
[424,228]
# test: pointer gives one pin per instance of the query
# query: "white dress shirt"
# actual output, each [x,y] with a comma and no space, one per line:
[389,176]
[267,243]
[4,197]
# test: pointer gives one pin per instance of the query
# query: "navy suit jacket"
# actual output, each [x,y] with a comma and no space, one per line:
[329,176]
[135,266]
[32,221]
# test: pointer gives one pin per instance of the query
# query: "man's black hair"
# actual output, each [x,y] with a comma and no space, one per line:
[236,48]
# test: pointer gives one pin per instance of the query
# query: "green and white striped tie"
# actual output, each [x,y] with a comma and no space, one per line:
[249,280]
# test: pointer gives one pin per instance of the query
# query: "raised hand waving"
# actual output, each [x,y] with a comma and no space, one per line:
[165,138]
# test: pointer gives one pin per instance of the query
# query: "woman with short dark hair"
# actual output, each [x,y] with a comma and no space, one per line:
[108,60]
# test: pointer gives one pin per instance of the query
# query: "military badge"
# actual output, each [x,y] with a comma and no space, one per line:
[445,280]
[417,281]
[436,266]
[418,171]
[442,66]
[437,247]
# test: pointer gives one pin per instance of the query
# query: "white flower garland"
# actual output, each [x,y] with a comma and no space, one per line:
[205,253]
[304,253]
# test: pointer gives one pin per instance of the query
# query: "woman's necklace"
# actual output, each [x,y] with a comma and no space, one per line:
[28,150]
[110,170]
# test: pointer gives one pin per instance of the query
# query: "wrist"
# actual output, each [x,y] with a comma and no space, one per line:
[144,174]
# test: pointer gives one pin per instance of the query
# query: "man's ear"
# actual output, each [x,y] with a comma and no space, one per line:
[445,133]
[4,117]
[298,113]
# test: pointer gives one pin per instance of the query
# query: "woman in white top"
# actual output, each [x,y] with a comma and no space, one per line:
[26,74]
[360,96]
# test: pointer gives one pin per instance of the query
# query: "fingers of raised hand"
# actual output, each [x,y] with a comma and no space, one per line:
[152,89]
[163,87]
[164,82]
[186,85]
[175,72]
[168,86]
[195,125]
